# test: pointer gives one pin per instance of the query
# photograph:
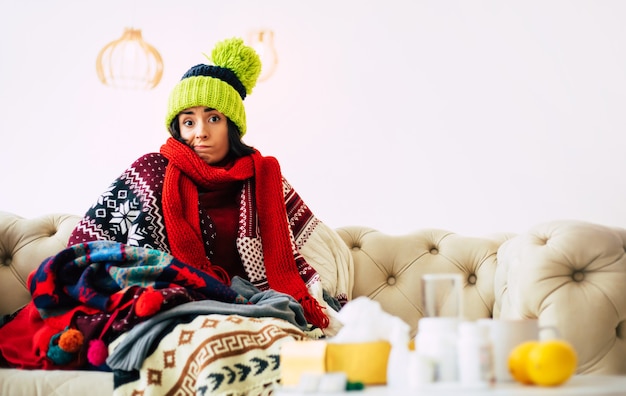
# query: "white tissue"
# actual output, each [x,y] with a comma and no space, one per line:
[364,320]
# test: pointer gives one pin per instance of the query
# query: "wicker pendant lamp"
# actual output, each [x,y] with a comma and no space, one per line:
[262,41]
[130,62]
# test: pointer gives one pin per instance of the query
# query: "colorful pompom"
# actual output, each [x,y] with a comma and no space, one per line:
[243,60]
[97,352]
[57,354]
[148,303]
[71,340]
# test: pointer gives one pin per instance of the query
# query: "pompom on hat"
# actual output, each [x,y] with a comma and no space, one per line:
[222,85]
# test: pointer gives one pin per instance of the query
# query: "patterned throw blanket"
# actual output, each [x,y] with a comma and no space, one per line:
[88,294]
[133,211]
[193,335]
[209,347]
[212,355]
[98,274]
[185,330]
[163,326]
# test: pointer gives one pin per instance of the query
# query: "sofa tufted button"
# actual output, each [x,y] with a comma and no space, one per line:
[471,279]
[6,260]
[356,247]
[578,276]
[50,230]
[434,250]
[391,280]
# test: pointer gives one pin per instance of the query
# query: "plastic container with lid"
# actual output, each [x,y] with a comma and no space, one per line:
[436,341]
[475,355]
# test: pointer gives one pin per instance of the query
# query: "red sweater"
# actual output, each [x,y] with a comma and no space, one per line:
[222,206]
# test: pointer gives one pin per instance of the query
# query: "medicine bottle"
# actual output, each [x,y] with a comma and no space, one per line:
[475,355]
[436,340]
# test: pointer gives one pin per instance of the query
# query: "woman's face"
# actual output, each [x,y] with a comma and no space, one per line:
[206,131]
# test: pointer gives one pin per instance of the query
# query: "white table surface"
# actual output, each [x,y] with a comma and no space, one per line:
[594,385]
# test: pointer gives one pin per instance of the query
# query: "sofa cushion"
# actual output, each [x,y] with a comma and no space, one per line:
[17,382]
[562,270]
[24,244]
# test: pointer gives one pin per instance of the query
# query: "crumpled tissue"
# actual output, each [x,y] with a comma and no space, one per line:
[369,331]
[370,344]
[364,320]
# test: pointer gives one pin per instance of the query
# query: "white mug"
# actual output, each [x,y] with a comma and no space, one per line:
[505,335]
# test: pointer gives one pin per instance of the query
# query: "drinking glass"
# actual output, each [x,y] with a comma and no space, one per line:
[442,295]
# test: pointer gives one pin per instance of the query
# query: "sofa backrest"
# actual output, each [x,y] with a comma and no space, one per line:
[389,268]
[24,244]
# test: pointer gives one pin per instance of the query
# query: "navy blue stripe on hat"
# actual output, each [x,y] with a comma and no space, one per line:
[221,73]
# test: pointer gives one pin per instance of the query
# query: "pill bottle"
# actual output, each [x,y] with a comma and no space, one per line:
[475,355]
[436,341]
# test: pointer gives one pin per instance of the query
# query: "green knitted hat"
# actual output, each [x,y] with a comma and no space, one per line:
[223,85]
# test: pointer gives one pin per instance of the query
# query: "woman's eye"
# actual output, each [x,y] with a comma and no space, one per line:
[187,123]
[214,118]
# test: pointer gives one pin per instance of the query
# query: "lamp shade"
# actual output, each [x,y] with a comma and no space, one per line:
[263,43]
[130,62]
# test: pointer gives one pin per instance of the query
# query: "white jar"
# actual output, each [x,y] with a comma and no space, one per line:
[475,355]
[436,341]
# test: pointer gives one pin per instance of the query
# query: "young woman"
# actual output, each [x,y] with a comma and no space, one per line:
[195,264]
[217,204]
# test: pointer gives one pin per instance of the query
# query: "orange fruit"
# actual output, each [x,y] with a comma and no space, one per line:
[518,362]
[551,363]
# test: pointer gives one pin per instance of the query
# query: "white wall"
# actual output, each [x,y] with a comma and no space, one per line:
[473,116]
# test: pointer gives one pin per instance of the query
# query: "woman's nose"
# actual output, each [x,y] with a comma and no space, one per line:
[201,132]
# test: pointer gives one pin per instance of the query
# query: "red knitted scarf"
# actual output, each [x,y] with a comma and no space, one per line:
[186,171]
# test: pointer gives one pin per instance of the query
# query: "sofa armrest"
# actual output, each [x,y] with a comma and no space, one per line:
[24,244]
[571,275]
[389,268]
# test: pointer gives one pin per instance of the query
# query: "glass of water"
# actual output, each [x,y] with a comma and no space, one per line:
[442,295]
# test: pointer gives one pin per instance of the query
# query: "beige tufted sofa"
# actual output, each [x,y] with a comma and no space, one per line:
[569,274]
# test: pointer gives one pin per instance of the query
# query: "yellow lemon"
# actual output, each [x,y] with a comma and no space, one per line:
[551,363]
[518,362]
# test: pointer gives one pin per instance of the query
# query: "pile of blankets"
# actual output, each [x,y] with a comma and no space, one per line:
[158,324]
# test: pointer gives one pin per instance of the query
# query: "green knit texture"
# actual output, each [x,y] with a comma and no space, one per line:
[208,92]
[212,92]
[233,54]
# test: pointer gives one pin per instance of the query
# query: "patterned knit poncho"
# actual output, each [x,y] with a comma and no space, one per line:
[131,211]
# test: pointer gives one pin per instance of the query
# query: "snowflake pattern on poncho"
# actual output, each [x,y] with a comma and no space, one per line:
[130,211]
